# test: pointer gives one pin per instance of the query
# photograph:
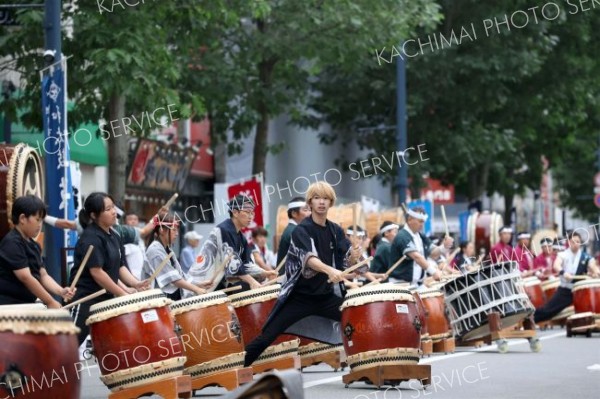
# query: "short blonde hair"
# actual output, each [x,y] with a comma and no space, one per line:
[321,189]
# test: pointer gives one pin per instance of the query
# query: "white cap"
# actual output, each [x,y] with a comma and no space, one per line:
[192,235]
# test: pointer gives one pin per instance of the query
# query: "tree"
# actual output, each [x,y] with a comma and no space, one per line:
[265,65]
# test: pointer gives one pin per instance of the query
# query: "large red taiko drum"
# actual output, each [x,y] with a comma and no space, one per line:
[533,289]
[482,229]
[380,326]
[438,324]
[134,340]
[39,355]
[586,296]
[253,308]
[211,335]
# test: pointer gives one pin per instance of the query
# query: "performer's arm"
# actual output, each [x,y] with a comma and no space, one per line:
[593,269]
[334,275]
[35,287]
[52,286]
[103,280]
[129,279]
[60,223]
[422,262]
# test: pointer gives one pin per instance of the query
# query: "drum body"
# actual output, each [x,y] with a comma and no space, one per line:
[586,296]
[381,326]
[21,173]
[423,316]
[533,289]
[496,288]
[39,355]
[482,229]
[134,340]
[438,325]
[253,308]
[549,287]
[210,334]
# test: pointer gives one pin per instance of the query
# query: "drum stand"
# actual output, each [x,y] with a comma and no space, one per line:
[335,359]
[582,325]
[426,347]
[445,345]
[289,362]
[501,335]
[390,374]
[170,388]
[230,379]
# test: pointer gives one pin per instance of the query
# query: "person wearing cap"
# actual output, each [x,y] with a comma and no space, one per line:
[226,245]
[188,253]
[297,210]
[502,251]
[545,260]
[571,262]
[309,301]
[410,241]
[523,255]
[382,259]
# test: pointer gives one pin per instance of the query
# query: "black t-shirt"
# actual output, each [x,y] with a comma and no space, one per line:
[17,252]
[324,244]
[108,254]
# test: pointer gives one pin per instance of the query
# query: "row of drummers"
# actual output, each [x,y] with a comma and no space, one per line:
[145,337]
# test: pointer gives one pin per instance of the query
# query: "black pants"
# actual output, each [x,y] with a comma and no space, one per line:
[562,298]
[297,307]
[81,312]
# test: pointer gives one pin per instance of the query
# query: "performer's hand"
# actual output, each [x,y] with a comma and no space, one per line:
[568,276]
[67,293]
[199,291]
[254,284]
[129,290]
[335,276]
[270,274]
[350,284]
[53,305]
[437,276]
[142,285]
[205,284]
[448,242]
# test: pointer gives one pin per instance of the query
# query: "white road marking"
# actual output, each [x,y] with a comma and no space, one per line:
[511,342]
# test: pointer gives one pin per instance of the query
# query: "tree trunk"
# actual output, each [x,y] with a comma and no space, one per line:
[117,147]
[260,140]
[478,179]
[508,204]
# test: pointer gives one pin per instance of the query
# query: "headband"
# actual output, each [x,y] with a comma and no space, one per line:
[350,232]
[506,230]
[296,204]
[523,235]
[388,228]
[417,215]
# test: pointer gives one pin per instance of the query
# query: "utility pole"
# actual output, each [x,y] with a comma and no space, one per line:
[401,136]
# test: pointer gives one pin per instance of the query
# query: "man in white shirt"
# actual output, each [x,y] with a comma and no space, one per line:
[569,263]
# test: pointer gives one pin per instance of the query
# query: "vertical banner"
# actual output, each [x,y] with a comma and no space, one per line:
[59,193]
[253,189]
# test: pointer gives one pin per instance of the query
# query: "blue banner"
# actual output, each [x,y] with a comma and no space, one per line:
[55,150]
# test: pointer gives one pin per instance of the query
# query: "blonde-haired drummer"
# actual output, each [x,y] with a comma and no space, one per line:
[318,253]
[410,241]
[569,263]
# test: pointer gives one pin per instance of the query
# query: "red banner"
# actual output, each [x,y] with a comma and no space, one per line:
[440,194]
[251,188]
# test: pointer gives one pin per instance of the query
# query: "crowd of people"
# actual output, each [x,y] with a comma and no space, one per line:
[312,255]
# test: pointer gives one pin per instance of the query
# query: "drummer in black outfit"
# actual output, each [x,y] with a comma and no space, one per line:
[106,264]
[23,276]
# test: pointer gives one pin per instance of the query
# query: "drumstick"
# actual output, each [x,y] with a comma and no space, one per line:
[85,298]
[452,255]
[353,268]
[82,266]
[159,268]
[445,221]
[269,282]
[581,277]
[388,273]
[280,265]
[221,267]
[171,200]
[232,288]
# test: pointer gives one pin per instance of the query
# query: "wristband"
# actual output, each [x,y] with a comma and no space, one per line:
[560,273]
[51,220]
[431,270]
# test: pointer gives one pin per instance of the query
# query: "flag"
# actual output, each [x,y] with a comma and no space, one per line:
[55,150]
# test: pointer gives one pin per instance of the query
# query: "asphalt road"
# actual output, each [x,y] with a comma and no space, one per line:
[565,368]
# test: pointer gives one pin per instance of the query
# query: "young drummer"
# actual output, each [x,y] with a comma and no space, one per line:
[106,265]
[318,252]
[171,279]
[23,276]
